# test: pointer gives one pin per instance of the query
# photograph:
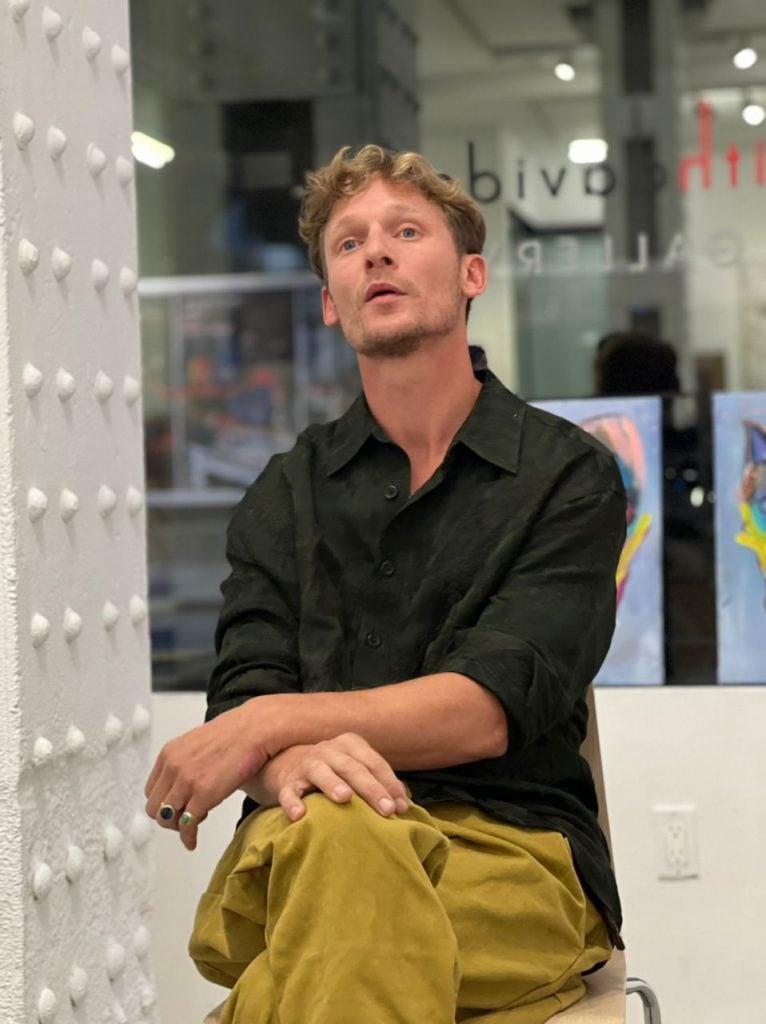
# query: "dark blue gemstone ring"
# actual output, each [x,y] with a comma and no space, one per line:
[167,813]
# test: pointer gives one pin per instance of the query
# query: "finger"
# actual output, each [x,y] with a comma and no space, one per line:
[291,797]
[318,775]
[176,799]
[188,824]
[361,780]
[157,795]
[377,765]
[153,776]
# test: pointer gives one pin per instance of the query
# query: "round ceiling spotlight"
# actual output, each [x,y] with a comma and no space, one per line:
[753,114]
[744,58]
[564,71]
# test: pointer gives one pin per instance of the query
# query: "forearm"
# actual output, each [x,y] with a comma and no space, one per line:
[426,723]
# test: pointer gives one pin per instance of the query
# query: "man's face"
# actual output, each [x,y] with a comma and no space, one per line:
[394,277]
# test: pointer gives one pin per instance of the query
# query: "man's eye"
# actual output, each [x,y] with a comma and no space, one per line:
[348,245]
[409,232]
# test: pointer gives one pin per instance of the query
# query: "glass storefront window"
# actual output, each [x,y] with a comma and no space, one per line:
[618,150]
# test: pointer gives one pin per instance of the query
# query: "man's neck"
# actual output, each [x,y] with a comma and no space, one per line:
[421,400]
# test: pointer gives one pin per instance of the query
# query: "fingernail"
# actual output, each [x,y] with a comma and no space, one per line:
[402,805]
[386,805]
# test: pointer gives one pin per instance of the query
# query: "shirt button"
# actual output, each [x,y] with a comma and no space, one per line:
[388,568]
[392,491]
[373,640]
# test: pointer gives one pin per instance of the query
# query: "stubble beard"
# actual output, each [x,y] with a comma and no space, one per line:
[385,344]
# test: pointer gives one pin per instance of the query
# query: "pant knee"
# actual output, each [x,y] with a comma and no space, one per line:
[357,836]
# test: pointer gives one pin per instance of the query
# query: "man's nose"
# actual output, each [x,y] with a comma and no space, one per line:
[378,249]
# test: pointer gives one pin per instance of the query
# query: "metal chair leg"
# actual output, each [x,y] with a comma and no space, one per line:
[648,998]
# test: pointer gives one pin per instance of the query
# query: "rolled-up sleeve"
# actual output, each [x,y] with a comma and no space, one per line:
[256,638]
[546,630]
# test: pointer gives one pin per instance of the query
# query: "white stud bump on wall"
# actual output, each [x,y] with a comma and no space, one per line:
[128,280]
[131,389]
[137,610]
[52,24]
[142,941]
[37,504]
[72,625]
[91,43]
[65,384]
[134,501]
[114,730]
[57,143]
[74,864]
[29,256]
[47,1005]
[42,751]
[61,263]
[141,830]
[69,504]
[120,60]
[75,740]
[110,615]
[114,841]
[23,129]
[103,386]
[39,629]
[32,380]
[18,8]
[42,881]
[140,721]
[96,159]
[99,273]
[78,986]
[124,170]
[107,501]
[115,960]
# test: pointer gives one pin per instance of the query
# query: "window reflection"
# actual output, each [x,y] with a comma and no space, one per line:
[619,154]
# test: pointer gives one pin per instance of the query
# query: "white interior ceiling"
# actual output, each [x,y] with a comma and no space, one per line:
[497,57]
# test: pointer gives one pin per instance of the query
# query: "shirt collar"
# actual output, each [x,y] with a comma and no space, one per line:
[492,430]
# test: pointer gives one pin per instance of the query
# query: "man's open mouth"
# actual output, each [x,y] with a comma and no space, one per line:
[381,290]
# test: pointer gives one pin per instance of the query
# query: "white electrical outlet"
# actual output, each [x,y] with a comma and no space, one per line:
[676,829]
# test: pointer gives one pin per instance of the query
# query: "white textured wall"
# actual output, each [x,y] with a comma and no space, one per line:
[76,886]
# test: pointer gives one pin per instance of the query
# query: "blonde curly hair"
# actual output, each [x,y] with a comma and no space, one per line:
[346,175]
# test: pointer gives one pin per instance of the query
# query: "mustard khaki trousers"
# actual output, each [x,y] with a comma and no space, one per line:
[429,917]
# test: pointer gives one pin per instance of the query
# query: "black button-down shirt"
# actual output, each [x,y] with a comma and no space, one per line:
[501,567]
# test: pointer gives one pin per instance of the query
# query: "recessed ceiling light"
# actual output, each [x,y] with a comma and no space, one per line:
[745,58]
[753,114]
[588,151]
[151,151]
[564,71]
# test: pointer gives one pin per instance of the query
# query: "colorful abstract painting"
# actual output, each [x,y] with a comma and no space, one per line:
[631,429]
[739,423]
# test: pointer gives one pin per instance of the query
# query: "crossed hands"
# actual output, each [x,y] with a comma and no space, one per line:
[339,768]
[196,771]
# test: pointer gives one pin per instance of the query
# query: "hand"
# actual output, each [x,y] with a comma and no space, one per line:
[338,768]
[196,771]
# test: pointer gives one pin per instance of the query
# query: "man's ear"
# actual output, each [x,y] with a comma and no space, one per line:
[329,313]
[474,274]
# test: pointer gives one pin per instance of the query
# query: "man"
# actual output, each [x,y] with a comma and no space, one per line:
[420,593]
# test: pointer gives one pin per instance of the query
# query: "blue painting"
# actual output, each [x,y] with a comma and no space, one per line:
[739,424]
[631,429]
